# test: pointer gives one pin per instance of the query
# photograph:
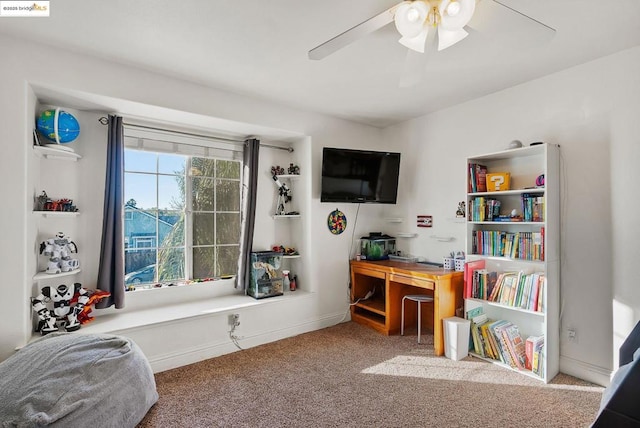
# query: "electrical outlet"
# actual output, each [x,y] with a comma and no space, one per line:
[234,320]
[572,335]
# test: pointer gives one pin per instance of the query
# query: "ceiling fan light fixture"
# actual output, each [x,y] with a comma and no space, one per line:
[455,14]
[453,8]
[448,38]
[410,17]
[416,43]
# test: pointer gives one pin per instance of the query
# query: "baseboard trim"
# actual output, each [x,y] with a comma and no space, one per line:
[589,372]
[195,354]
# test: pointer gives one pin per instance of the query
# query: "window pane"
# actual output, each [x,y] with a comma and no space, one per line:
[228,260]
[203,262]
[203,229]
[203,167]
[170,195]
[228,195]
[228,169]
[228,231]
[171,229]
[139,266]
[140,228]
[137,160]
[202,194]
[140,190]
[170,264]
[171,164]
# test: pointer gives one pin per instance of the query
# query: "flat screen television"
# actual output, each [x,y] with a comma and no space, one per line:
[361,176]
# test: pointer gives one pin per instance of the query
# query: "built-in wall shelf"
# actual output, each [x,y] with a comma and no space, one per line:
[292,176]
[51,153]
[57,213]
[292,256]
[44,275]
[278,217]
[394,219]
[442,238]
[457,219]
[406,235]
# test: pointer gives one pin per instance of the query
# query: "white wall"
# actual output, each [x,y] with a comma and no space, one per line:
[32,73]
[592,111]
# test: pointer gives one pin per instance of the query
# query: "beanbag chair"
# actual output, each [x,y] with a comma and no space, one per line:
[73,380]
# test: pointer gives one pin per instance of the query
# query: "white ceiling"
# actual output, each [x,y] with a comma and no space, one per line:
[259,48]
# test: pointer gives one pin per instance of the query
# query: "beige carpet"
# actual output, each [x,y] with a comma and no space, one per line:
[350,376]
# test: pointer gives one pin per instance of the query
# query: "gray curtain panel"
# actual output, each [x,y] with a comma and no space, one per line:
[111,271]
[249,192]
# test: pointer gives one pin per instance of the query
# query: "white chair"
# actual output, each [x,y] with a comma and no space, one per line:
[420,298]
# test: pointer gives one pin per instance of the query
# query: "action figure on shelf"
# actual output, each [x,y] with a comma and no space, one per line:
[461,209]
[95,296]
[63,313]
[277,170]
[59,250]
[293,169]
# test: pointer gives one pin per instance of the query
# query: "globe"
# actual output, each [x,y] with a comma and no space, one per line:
[68,126]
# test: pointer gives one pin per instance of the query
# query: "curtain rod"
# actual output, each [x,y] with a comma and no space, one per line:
[104,121]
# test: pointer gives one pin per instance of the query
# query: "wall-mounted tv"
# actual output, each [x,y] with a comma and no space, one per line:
[361,176]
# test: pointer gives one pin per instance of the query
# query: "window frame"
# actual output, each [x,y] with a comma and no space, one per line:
[188,211]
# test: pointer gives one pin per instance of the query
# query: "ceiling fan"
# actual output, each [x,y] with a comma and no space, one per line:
[449,18]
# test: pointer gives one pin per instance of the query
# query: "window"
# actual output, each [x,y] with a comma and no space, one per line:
[182,216]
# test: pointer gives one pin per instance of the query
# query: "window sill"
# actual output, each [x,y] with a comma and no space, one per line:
[116,321]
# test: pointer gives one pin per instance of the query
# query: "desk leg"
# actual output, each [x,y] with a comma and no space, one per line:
[438,337]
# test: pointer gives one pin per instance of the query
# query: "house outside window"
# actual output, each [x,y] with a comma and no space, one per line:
[182,217]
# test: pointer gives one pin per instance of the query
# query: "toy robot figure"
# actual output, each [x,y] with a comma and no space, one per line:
[59,249]
[62,310]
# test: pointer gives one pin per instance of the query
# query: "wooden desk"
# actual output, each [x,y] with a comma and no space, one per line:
[391,280]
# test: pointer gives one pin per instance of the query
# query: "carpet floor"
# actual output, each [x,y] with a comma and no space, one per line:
[350,376]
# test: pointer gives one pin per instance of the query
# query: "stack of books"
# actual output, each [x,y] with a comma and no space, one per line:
[501,340]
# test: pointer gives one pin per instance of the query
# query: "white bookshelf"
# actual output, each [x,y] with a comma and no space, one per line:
[524,165]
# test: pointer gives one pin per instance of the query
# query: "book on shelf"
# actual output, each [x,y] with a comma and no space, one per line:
[469,268]
[515,245]
[516,345]
[470,315]
[495,330]
[516,289]
[537,363]
[483,283]
[477,178]
[501,340]
[477,317]
[489,348]
[532,205]
[484,209]
[530,345]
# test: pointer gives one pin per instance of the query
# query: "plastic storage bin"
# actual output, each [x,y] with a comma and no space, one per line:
[456,337]
[266,274]
[377,246]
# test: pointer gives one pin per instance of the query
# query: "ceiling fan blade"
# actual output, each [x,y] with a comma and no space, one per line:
[415,64]
[548,28]
[353,34]
[497,18]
